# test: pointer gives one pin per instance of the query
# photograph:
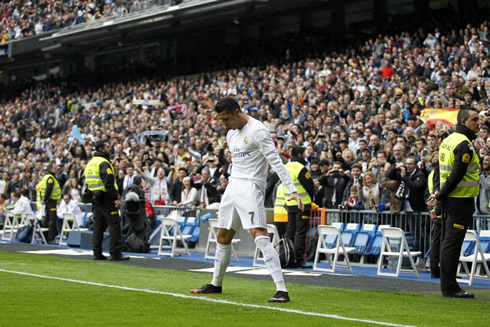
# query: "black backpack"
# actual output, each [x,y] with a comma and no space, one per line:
[137,244]
[285,249]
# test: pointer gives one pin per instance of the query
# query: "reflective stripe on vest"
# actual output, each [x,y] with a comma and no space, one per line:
[468,187]
[92,174]
[280,212]
[56,192]
[294,168]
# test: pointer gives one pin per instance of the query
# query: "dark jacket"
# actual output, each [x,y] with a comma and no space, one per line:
[416,183]
[329,183]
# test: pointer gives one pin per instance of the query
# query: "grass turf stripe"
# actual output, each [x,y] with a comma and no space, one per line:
[202,298]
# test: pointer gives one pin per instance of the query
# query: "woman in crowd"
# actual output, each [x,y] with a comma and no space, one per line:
[189,193]
[73,189]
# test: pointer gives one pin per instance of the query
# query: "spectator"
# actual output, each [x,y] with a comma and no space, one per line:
[334,183]
[189,194]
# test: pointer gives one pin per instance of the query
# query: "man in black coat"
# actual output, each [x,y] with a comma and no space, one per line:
[334,181]
[415,185]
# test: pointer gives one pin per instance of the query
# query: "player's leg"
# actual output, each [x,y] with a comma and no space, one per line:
[253,216]
[228,223]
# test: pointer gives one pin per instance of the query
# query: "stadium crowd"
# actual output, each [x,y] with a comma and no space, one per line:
[21,19]
[357,113]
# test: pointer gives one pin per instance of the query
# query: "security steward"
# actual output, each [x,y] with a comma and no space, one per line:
[280,212]
[50,197]
[458,168]
[433,182]
[299,221]
[101,182]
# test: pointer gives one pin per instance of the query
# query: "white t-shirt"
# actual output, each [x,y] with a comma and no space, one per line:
[252,150]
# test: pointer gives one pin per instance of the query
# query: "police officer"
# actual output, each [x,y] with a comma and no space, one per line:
[101,182]
[458,168]
[50,196]
[299,221]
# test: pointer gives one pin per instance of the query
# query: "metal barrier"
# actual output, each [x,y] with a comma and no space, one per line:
[166,210]
[418,224]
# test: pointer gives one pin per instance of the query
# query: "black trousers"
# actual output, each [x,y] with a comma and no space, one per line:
[50,220]
[298,225]
[458,215]
[281,228]
[435,246]
[106,215]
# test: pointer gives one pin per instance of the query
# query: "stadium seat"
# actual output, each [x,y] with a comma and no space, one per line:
[190,224]
[337,250]
[395,246]
[478,257]
[349,233]
[170,232]
[69,224]
[375,245]
[213,231]
[485,240]
[271,229]
[363,238]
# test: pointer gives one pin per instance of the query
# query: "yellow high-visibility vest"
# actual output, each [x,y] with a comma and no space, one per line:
[294,169]
[469,186]
[92,174]
[56,192]
[280,212]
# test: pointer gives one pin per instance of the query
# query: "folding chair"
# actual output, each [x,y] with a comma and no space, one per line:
[10,226]
[171,233]
[337,250]
[37,235]
[69,224]
[478,257]
[395,245]
[212,238]
[271,229]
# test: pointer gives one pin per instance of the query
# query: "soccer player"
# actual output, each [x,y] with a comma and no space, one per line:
[242,205]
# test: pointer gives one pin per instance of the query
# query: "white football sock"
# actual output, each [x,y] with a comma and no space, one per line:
[221,262]
[272,262]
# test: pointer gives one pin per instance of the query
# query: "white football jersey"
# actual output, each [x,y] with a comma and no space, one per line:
[252,150]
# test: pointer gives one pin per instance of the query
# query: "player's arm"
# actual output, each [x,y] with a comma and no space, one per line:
[269,151]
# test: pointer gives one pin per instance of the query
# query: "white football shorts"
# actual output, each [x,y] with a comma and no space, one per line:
[242,205]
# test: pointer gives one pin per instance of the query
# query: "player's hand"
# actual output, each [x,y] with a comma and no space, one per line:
[296,197]
[432,214]
[117,203]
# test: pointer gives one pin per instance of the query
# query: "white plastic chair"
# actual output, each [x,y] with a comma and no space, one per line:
[271,229]
[396,235]
[170,231]
[10,226]
[338,249]
[37,235]
[478,257]
[212,238]
[69,224]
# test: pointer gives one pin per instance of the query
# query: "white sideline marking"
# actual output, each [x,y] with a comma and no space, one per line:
[193,297]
